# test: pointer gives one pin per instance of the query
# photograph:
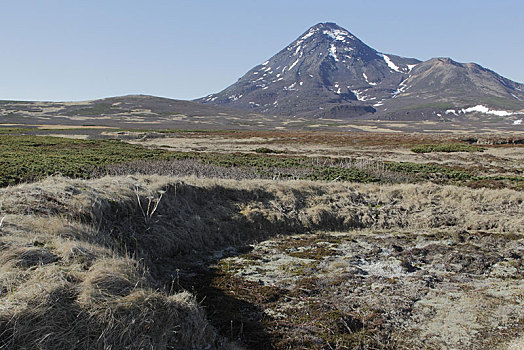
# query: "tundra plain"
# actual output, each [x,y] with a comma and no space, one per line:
[179,239]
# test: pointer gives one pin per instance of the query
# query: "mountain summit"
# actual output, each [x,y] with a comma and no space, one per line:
[329,72]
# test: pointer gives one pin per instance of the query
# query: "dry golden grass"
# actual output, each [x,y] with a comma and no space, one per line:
[82,267]
[64,284]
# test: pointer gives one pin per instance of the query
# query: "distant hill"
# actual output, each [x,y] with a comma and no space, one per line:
[126,111]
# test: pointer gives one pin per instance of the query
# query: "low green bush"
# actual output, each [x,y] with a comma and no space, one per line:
[266,150]
[447,147]
[27,158]
[430,171]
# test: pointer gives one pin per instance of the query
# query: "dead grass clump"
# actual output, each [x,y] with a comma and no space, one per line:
[109,306]
[32,200]
[49,319]
[111,277]
[321,216]
[151,320]
[181,311]
[79,252]
[140,320]
[11,279]
[441,218]
[24,258]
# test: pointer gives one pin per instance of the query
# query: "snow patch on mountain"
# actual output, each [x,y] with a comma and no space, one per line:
[480,109]
[338,34]
[401,88]
[294,64]
[235,97]
[333,52]
[486,110]
[308,34]
[290,87]
[389,62]
[359,94]
[517,122]
[367,80]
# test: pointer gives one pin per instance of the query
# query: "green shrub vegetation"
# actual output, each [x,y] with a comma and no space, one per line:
[430,171]
[341,174]
[13,130]
[26,158]
[447,147]
[267,150]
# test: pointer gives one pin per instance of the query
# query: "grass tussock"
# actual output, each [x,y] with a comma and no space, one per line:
[88,264]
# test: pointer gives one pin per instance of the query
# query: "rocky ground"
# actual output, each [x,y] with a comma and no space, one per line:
[436,289]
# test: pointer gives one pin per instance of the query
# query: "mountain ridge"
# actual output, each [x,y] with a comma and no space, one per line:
[328,72]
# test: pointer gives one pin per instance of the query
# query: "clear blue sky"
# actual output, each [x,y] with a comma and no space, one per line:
[66,50]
